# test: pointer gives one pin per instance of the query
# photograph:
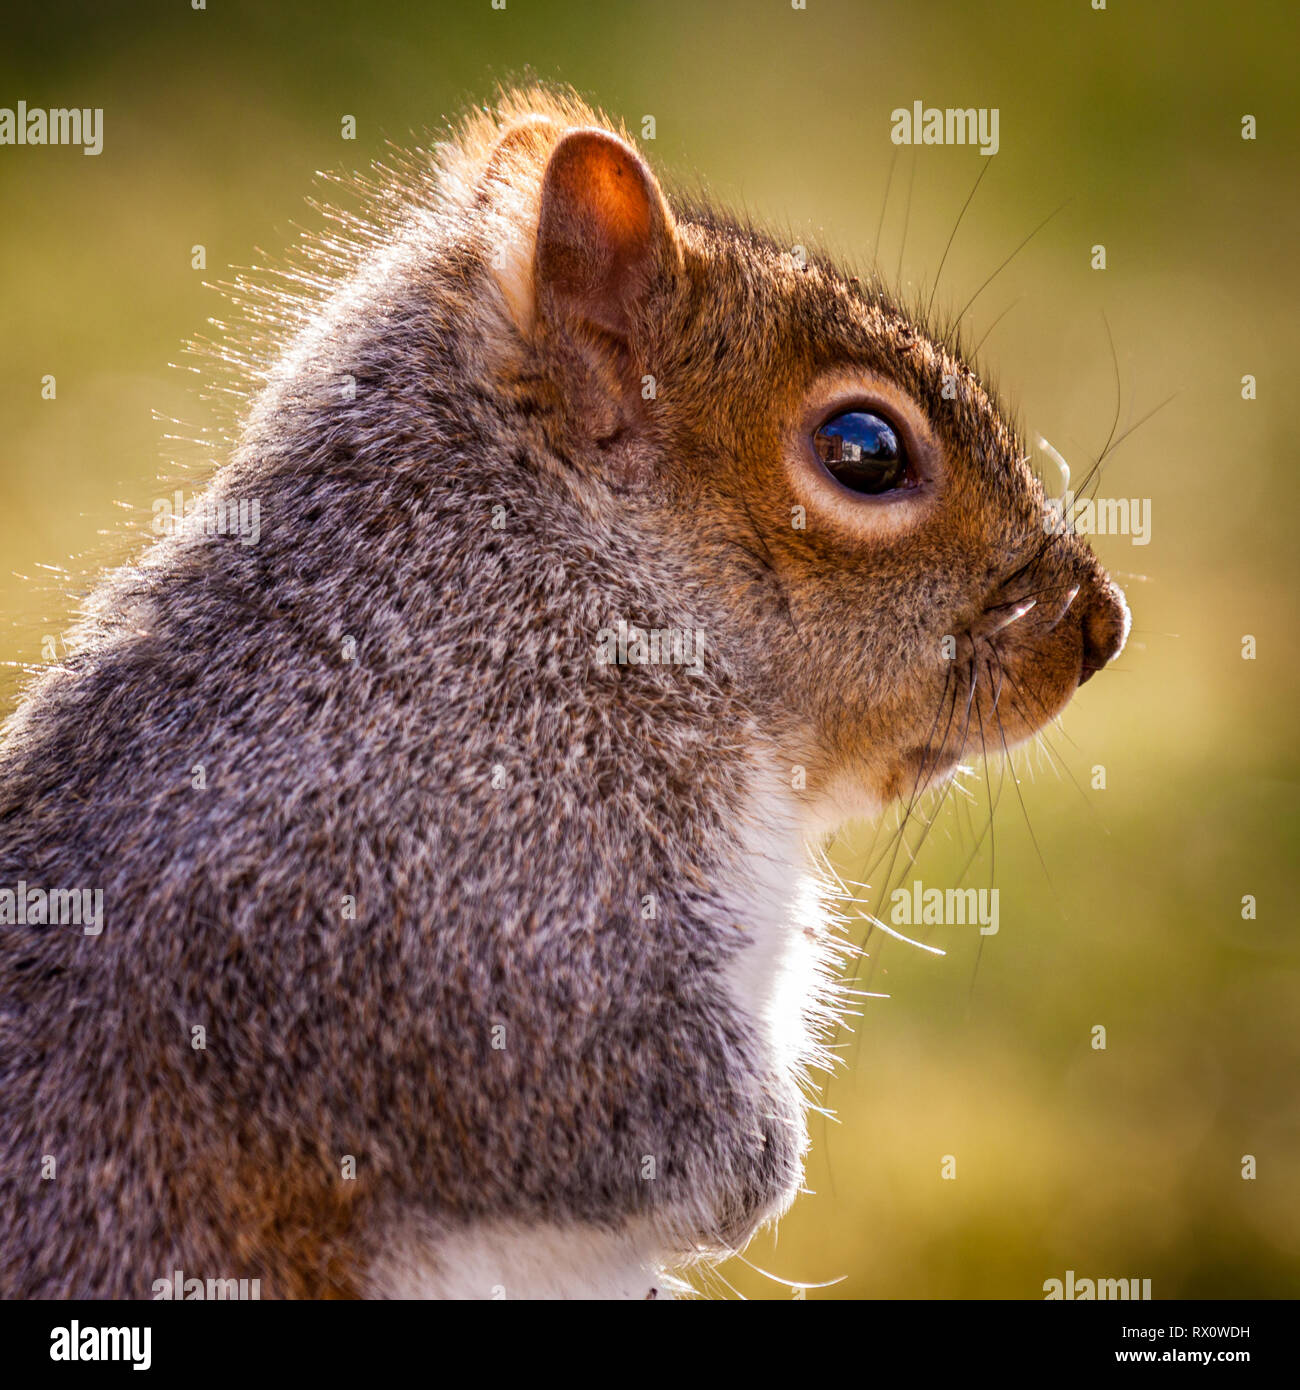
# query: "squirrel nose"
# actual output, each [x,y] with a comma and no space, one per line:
[1105,625]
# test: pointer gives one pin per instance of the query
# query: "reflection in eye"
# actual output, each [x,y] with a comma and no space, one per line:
[862,451]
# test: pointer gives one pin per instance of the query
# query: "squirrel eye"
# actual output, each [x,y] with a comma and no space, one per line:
[862,451]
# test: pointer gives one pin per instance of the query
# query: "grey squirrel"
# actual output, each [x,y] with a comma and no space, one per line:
[459,934]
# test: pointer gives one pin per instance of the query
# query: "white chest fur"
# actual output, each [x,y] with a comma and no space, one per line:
[781,980]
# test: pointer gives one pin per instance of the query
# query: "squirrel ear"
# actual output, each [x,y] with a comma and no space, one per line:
[603,230]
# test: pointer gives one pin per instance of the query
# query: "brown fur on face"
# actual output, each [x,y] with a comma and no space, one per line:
[851,609]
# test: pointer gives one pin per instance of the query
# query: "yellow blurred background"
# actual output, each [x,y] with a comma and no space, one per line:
[1120,907]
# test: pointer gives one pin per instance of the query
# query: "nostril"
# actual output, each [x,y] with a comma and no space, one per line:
[1105,628]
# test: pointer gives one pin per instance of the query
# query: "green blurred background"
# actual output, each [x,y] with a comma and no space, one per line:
[1117,1163]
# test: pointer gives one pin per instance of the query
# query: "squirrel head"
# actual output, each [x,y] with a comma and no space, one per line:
[899,594]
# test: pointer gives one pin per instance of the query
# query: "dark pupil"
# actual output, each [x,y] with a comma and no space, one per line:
[862,452]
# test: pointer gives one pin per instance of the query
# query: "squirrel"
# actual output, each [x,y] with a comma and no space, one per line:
[460,932]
